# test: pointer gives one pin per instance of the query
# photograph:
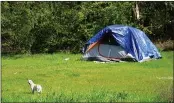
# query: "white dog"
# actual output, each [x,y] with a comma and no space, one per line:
[35,87]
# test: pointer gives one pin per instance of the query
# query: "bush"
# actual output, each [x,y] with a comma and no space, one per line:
[165,45]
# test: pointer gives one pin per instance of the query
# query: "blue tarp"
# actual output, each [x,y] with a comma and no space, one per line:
[133,40]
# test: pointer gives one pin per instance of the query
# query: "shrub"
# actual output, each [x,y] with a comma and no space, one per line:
[165,45]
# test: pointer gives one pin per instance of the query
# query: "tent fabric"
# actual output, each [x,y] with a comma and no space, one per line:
[134,41]
[117,51]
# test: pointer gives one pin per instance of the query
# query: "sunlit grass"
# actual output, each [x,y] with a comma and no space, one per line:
[82,81]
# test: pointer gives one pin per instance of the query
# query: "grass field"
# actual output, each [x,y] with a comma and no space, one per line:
[81,81]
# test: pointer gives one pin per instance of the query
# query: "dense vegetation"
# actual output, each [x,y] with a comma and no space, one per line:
[36,27]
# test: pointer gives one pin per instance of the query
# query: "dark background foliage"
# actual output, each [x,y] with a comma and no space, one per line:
[47,27]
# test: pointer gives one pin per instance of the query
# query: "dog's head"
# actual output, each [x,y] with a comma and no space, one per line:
[30,82]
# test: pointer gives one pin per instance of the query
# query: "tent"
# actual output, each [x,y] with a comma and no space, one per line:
[119,42]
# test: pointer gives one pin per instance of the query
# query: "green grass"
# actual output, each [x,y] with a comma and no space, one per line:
[81,81]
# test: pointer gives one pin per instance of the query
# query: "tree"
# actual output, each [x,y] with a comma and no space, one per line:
[47,27]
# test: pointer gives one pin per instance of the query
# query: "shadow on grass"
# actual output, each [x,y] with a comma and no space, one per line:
[29,93]
[92,59]
[13,55]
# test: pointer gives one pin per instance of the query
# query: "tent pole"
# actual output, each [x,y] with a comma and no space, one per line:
[109,53]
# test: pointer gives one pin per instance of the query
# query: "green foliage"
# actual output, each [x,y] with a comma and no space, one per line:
[47,27]
[156,16]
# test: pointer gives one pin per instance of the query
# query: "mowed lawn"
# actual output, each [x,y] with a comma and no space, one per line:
[75,80]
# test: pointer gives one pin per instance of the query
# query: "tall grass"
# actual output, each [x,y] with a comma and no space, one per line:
[81,81]
[165,45]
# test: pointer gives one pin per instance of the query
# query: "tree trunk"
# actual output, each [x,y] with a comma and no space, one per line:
[136,11]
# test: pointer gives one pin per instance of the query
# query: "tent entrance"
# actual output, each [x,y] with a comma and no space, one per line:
[109,39]
[106,48]
[109,48]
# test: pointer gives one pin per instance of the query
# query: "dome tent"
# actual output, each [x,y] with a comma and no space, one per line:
[118,42]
